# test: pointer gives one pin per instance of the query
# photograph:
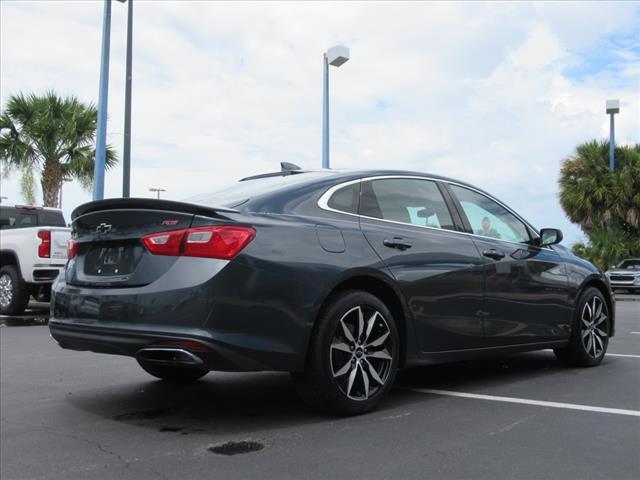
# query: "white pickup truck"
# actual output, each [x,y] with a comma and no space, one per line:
[33,251]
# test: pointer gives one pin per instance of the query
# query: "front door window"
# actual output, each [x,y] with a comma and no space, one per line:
[490,219]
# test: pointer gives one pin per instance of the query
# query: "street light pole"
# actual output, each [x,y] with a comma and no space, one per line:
[157,190]
[126,153]
[613,107]
[335,56]
[325,112]
[101,133]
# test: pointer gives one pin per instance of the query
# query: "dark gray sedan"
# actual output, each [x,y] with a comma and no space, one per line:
[341,278]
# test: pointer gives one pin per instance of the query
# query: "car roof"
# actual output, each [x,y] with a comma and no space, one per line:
[30,207]
[339,176]
[348,174]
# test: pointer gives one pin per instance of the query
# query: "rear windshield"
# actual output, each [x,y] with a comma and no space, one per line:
[11,218]
[239,192]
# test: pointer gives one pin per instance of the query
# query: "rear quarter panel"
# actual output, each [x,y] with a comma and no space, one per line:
[274,289]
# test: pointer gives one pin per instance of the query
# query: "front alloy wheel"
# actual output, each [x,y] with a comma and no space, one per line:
[590,333]
[593,325]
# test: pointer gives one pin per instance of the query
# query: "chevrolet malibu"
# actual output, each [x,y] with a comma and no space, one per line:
[340,278]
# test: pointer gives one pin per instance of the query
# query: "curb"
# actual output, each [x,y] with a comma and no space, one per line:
[627,299]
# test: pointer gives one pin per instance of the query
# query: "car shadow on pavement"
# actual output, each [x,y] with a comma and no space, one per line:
[234,404]
[220,402]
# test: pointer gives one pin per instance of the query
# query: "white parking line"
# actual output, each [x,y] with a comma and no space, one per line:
[526,401]
[635,333]
[609,354]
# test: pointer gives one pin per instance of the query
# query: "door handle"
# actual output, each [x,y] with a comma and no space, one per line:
[396,242]
[493,253]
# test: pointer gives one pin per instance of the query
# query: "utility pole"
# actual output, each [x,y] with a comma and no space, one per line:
[126,152]
[157,190]
[101,133]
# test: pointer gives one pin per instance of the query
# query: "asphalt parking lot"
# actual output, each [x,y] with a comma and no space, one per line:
[72,415]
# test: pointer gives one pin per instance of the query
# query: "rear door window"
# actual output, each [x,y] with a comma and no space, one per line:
[406,200]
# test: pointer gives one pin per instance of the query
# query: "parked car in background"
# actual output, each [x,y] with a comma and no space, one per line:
[33,251]
[341,278]
[626,275]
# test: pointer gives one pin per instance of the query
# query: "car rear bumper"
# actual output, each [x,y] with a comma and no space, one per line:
[213,350]
[234,330]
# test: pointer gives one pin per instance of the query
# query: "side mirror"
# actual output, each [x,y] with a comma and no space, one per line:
[550,236]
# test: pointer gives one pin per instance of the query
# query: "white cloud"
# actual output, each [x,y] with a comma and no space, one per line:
[541,49]
[478,91]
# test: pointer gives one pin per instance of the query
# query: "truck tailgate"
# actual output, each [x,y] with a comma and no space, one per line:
[59,238]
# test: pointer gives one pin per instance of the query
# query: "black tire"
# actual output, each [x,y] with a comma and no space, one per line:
[331,349]
[14,295]
[584,349]
[173,373]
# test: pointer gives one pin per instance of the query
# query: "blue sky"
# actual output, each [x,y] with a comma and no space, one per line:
[496,94]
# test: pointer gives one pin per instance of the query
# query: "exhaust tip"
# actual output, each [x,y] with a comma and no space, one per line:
[171,356]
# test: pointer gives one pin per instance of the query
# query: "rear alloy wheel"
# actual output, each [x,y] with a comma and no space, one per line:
[353,356]
[14,296]
[172,373]
[590,335]
[361,352]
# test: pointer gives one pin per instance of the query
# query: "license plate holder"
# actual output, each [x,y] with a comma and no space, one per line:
[108,260]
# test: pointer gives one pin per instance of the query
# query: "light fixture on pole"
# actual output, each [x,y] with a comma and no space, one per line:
[613,107]
[335,56]
[101,131]
[157,190]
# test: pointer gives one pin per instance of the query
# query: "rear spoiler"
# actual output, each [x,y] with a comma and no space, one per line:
[147,204]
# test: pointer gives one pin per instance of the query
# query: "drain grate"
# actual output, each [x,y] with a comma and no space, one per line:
[235,448]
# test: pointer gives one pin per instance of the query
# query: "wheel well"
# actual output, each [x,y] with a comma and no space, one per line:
[387,295]
[599,284]
[9,258]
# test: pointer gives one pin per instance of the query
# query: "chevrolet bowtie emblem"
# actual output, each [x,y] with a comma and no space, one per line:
[103,228]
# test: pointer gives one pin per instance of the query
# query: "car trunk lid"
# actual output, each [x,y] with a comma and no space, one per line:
[110,251]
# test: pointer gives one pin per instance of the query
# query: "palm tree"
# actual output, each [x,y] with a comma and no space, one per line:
[595,197]
[52,136]
[605,204]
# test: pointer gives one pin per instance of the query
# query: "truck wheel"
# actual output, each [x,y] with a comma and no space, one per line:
[14,295]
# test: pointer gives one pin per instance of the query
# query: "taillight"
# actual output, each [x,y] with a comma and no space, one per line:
[72,248]
[223,242]
[166,243]
[44,249]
